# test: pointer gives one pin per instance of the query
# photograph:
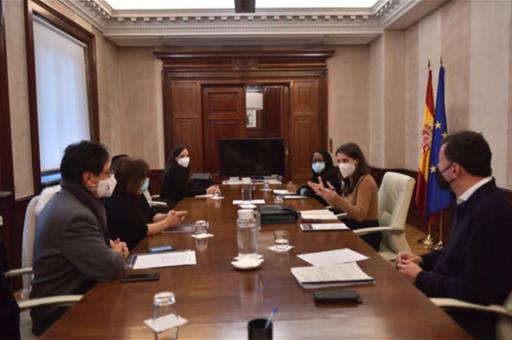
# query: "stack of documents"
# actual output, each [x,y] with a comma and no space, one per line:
[330,276]
[323,226]
[283,192]
[168,259]
[318,215]
[331,268]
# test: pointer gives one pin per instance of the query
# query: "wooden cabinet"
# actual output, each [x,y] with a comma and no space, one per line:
[204,101]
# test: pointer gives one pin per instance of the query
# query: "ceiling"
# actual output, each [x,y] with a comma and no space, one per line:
[160,25]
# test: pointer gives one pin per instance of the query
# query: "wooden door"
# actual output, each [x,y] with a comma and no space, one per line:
[305,135]
[186,125]
[223,117]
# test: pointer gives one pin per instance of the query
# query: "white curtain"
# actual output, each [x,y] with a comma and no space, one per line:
[62,106]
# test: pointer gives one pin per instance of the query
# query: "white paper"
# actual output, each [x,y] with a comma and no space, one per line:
[201,236]
[323,226]
[169,259]
[165,322]
[283,192]
[204,196]
[319,214]
[338,274]
[330,257]
[259,201]
[294,197]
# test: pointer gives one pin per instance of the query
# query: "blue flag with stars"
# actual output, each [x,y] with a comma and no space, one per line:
[437,198]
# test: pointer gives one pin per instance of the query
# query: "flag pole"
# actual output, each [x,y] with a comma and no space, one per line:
[428,241]
[440,245]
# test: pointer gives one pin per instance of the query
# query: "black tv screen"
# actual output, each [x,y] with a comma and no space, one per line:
[251,157]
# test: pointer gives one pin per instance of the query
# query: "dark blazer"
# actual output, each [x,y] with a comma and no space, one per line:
[475,265]
[331,175]
[176,185]
[128,217]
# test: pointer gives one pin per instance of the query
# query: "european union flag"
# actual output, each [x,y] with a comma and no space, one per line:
[437,198]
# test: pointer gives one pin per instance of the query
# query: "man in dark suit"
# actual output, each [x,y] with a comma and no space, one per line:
[475,265]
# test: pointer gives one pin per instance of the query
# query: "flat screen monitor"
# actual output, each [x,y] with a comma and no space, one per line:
[251,157]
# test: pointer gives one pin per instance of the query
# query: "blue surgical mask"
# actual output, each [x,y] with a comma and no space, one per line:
[145,185]
[318,167]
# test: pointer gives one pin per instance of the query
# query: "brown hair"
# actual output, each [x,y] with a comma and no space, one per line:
[130,173]
[353,151]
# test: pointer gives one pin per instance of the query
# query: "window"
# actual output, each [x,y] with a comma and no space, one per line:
[62,88]
[61,85]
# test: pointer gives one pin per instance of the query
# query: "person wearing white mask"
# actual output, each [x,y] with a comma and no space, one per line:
[321,166]
[72,247]
[176,181]
[358,197]
[129,216]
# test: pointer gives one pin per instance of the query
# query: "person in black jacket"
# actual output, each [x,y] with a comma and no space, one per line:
[475,265]
[321,166]
[176,182]
[129,216]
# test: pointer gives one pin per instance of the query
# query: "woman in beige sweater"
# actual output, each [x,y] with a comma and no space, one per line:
[358,191]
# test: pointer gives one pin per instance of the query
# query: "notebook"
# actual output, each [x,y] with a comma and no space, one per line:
[323,226]
[345,274]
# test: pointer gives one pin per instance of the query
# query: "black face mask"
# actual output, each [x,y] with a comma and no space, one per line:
[443,184]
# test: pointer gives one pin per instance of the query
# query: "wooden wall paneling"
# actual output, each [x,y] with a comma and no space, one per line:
[305,133]
[223,117]
[186,121]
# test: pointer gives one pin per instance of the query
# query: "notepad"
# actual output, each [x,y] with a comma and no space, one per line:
[169,259]
[283,192]
[181,228]
[329,276]
[323,226]
[331,257]
[294,197]
[259,201]
[318,215]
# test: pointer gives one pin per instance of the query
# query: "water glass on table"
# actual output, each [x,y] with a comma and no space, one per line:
[164,303]
[281,240]
[200,227]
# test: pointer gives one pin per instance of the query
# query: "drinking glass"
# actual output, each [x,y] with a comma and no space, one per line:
[281,239]
[200,227]
[164,303]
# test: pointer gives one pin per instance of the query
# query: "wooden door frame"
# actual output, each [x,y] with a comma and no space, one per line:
[7,200]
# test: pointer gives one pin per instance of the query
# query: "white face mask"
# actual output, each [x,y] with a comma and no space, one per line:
[346,169]
[318,167]
[106,187]
[184,161]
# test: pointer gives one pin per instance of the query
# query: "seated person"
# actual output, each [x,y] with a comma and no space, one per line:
[358,199]
[72,249]
[176,183]
[129,216]
[475,265]
[321,167]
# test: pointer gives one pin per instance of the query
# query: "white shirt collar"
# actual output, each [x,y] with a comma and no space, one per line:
[467,194]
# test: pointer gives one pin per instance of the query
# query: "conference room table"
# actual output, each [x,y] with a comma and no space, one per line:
[218,300]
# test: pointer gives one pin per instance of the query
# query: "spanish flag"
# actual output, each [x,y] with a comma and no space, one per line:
[426,146]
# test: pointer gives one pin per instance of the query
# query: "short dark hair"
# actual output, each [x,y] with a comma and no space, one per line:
[130,173]
[81,157]
[353,151]
[470,150]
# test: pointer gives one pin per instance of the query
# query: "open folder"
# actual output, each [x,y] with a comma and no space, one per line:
[345,274]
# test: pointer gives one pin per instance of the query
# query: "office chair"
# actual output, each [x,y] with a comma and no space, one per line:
[504,312]
[36,204]
[395,195]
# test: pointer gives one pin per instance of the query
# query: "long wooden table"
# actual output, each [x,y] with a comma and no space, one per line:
[218,299]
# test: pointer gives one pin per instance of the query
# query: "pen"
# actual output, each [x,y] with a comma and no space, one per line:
[269,320]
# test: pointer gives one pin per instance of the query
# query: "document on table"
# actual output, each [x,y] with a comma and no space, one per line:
[318,214]
[283,192]
[238,202]
[165,322]
[323,226]
[330,257]
[204,196]
[294,197]
[168,259]
[333,275]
